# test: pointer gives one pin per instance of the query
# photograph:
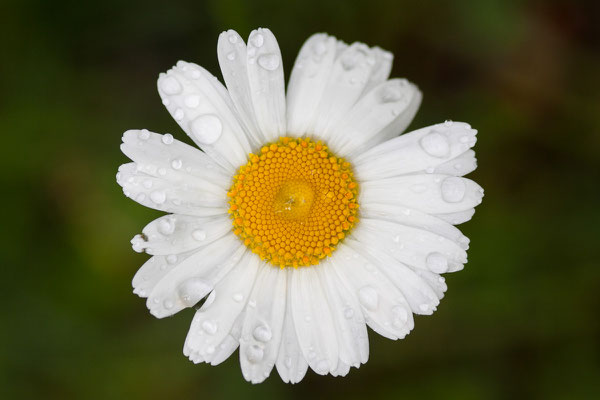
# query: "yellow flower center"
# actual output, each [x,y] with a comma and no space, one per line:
[293,203]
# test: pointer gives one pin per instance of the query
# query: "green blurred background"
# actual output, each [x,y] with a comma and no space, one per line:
[522,319]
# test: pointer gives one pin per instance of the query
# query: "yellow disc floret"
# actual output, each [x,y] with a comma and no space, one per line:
[293,203]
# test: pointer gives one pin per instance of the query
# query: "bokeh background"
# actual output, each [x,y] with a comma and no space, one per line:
[522,319]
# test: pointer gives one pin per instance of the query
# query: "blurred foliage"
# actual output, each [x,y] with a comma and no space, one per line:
[521,321]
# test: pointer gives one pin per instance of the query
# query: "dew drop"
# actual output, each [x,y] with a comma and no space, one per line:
[254,353]
[144,134]
[158,197]
[390,94]
[435,144]
[207,128]
[199,235]
[262,333]
[210,327]
[368,298]
[170,85]
[238,297]
[232,38]
[453,189]
[176,164]
[192,291]
[192,101]
[270,62]
[167,139]
[231,56]
[166,226]
[257,40]
[178,114]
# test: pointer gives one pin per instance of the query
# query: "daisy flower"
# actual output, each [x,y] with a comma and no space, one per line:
[305,217]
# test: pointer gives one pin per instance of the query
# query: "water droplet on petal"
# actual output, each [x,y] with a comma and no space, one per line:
[144,134]
[192,291]
[207,128]
[270,62]
[178,114]
[158,197]
[171,258]
[448,123]
[210,327]
[238,297]
[453,189]
[390,93]
[254,353]
[167,139]
[435,144]
[166,226]
[231,56]
[168,304]
[192,101]
[368,298]
[176,164]
[170,85]
[257,40]
[262,333]
[232,38]
[199,234]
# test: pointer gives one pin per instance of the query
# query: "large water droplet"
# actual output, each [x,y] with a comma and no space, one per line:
[435,144]
[170,85]
[436,262]
[192,291]
[453,189]
[368,298]
[262,333]
[270,62]
[207,128]
[254,353]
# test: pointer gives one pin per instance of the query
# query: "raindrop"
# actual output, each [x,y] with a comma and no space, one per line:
[176,164]
[238,297]
[192,291]
[199,234]
[178,114]
[435,144]
[232,38]
[210,327]
[254,353]
[453,189]
[158,197]
[270,62]
[231,56]
[168,304]
[170,85]
[167,139]
[257,40]
[262,333]
[144,134]
[368,298]
[192,101]
[207,128]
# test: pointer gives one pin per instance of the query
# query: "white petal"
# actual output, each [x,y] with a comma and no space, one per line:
[267,87]
[349,76]
[381,69]
[195,277]
[213,323]
[231,51]
[382,113]
[459,166]
[173,234]
[416,151]
[171,191]
[429,193]
[263,324]
[307,82]
[348,319]
[200,105]
[415,247]
[458,217]
[414,218]
[417,292]
[155,270]
[154,152]
[291,364]
[385,308]
[312,318]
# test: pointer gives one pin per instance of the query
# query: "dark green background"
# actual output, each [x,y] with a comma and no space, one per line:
[521,321]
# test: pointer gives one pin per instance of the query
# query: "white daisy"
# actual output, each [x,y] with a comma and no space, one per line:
[265,219]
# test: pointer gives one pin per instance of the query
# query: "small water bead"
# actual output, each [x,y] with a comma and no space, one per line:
[207,128]
[448,123]
[270,62]
[176,164]
[210,327]
[167,138]
[192,291]
[168,304]
[231,56]
[368,298]
[178,114]
[437,262]
[262,333]
[199,235]
[238,297]
[232,38]
[436,145]
[257,40]
[254,353]
[166,226]
[192,101]
[390,93]
[144,134]
[158,197]
[170,85]
[453,189]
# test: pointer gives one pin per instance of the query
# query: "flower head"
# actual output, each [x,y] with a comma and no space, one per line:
[305,217]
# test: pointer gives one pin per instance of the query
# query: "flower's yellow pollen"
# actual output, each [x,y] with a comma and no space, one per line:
[293,203]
